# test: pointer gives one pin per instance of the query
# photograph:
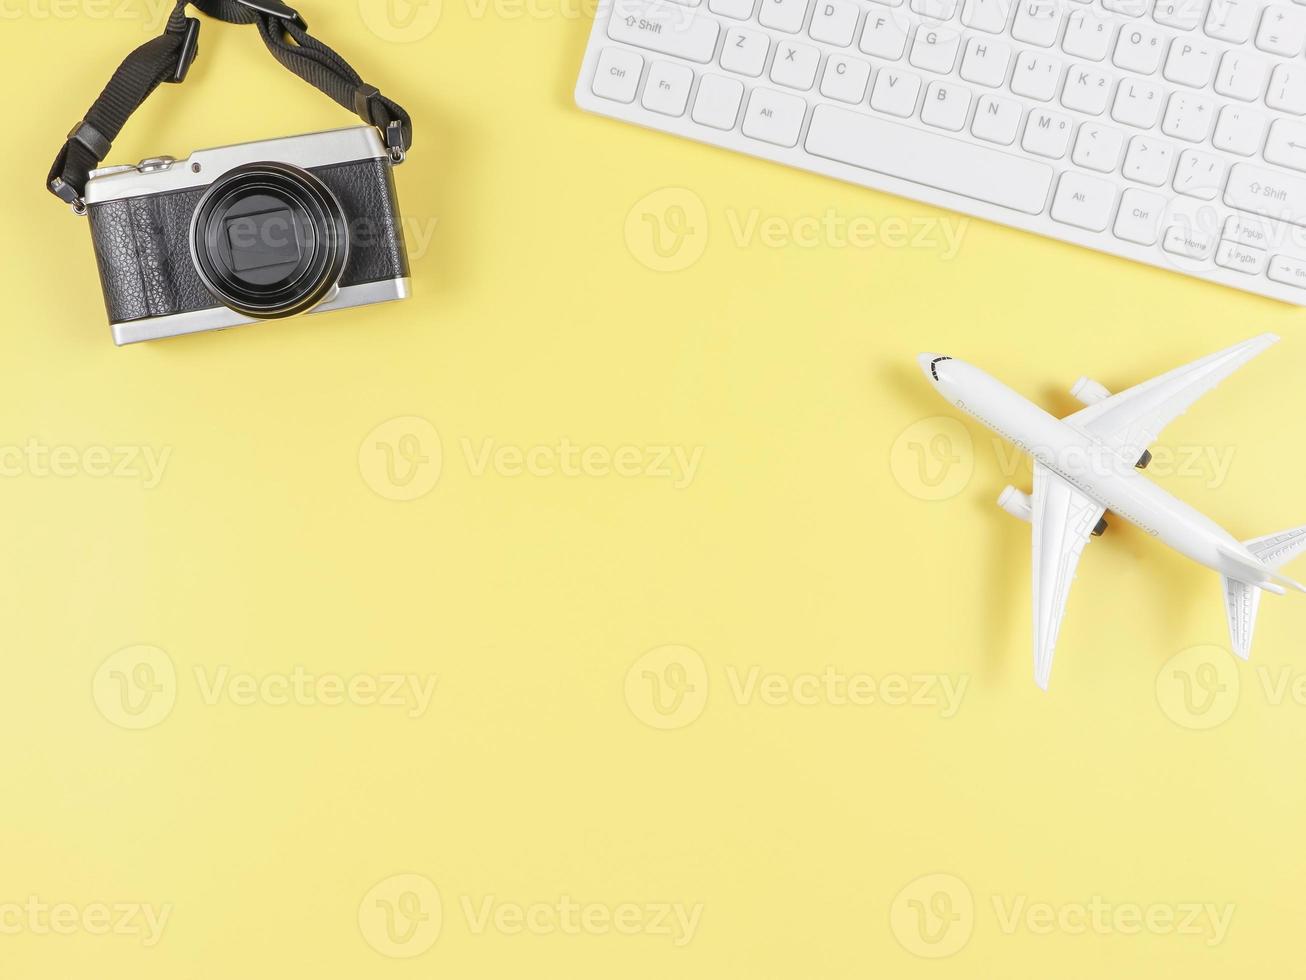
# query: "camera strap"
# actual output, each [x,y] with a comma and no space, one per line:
[168,57]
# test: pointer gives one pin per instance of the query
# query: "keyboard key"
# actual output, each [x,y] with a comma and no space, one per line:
[795,65]
[1289,270]
[783,15]
[1190,62]
[884,36]
[934,160]
[1149,160]
[1083,201]
[1241,76]
[1287,89]
[845,79]
[1037,22]
[1182,14]
[1098,148]
[834,22]
[1035,76]
[946,106]
[617,74]
[935,10]
[934,49]
[990,16]
[735,9]
[774,117]
[1246,231]
[895,92]
[996,120]
[1139,217]
[1087,36]
[1287,144]
[985,62]
[666,90]
[1231,255]
[1238,130]
[1199,175]
[1137,103]
[1129,8]
[1047,133]
[1086,90]
[1138,48]
[1188,117]
[666,28]
[745,51]
[1282,30]
[1190,242]
[1271,193]
[717,102]
[1231,20]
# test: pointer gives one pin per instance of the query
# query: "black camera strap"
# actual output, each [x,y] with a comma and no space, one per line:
[168,57]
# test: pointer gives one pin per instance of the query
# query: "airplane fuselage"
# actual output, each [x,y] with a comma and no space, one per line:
[1096,470]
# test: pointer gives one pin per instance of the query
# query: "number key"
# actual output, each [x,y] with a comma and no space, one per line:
[1137,49]
[1137,103]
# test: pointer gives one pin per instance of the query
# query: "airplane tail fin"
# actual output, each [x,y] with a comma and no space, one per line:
[1241,599]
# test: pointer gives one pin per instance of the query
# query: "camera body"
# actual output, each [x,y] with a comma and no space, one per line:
[248,232]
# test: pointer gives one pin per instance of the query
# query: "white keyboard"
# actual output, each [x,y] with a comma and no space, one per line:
[1171,132]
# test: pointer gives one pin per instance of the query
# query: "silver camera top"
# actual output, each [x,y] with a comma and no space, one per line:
[160,174]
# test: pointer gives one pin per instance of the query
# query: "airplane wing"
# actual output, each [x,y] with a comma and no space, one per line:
[1131,420]
[1063,518]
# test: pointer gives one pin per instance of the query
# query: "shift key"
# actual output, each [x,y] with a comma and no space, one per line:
[667,28]
[1271,193]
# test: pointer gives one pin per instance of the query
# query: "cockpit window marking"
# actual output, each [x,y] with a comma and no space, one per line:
[933,372]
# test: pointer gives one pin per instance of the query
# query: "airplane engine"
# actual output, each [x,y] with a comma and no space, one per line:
[1015,503]
[1089,391]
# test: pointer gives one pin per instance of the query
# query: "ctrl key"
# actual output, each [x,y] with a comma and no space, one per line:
[617,75]
[1287,270]
[1139,216]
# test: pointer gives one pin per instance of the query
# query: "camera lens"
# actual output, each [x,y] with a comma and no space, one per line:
[269,240]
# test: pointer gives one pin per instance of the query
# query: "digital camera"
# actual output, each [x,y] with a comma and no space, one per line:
[249,232]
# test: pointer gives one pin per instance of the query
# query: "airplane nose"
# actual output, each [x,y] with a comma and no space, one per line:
[928,362]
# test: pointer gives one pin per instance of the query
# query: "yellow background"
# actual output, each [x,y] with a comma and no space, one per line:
[801,544]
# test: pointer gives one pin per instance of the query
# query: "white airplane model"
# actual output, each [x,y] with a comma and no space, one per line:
[1089,462]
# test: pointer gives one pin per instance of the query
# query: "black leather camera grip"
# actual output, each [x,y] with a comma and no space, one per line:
[142,244]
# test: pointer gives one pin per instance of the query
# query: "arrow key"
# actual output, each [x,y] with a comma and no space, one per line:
[1287,144]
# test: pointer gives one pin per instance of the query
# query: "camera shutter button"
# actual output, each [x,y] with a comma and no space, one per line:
[153,164]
